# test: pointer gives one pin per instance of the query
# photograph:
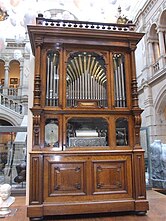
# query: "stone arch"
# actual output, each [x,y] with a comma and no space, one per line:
[2,72]
[160,102]
[143,81]
[153,31]
[14,60]
[154,39]
[9,118]
[2,59]
[162,18]
[162,29]
[160,109]
[14,73]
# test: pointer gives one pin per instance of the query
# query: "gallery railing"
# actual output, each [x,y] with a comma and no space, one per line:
[40,20]
[11,104]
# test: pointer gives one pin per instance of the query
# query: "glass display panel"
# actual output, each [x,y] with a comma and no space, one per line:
[86,79]
[51,133]
[52,80]
[13,149]
[119,80]
[87,132]
[121,132]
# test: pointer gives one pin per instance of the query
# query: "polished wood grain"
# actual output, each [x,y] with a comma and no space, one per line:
[157,212]
[85,178]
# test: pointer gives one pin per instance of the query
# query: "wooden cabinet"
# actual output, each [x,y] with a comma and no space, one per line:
[86,155]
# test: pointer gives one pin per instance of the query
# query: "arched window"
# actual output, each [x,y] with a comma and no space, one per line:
[14,74]
[162,31]
[14,77]
[155,43]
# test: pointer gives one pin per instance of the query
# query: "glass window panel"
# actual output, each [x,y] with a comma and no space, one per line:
[51,133]
[87,132]
[52,81]
[13,147]
[119,80]
[121,132]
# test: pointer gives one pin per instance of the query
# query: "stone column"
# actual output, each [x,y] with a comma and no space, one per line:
[162,48]
[21,81]
[151,58]
[5,90]
[161,42]
[21,75]
[151,53]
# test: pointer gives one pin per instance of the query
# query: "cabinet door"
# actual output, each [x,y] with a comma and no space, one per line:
[64,177]
[110,177]
[85,177]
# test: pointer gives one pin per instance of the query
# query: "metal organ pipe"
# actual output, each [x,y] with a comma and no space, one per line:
[48,77]
[120,87]
[119,79]
[123,86]
[87,78]
[91,87]
[116,88]
[54,86]
[52,81]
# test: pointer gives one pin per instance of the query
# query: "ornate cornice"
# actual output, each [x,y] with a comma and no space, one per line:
[145,11]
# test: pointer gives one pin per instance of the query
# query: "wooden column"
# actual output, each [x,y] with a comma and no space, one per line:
[134,79]
[37,78]
[135,107]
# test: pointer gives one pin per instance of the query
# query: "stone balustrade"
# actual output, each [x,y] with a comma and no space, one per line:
[11,104]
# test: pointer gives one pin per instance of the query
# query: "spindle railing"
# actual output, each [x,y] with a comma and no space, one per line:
[11,104]
[40,20]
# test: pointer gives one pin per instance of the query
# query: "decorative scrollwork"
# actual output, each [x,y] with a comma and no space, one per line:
[57,169]
[77,169]
[78,186]
[100,185]
[57,187]
[36,129]
[137,120]
[99,168]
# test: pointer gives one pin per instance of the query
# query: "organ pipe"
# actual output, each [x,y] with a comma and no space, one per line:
[119,80]
[86,78]
[52,80]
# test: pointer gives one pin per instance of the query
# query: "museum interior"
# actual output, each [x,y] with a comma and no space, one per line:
[83,110]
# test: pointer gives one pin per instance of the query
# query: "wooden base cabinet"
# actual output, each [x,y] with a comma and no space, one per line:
[86,155]
[86,183]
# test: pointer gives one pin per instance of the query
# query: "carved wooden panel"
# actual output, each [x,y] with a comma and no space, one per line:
[64,178]
[36,179]
[111,177]
[36,130]
[139,171]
